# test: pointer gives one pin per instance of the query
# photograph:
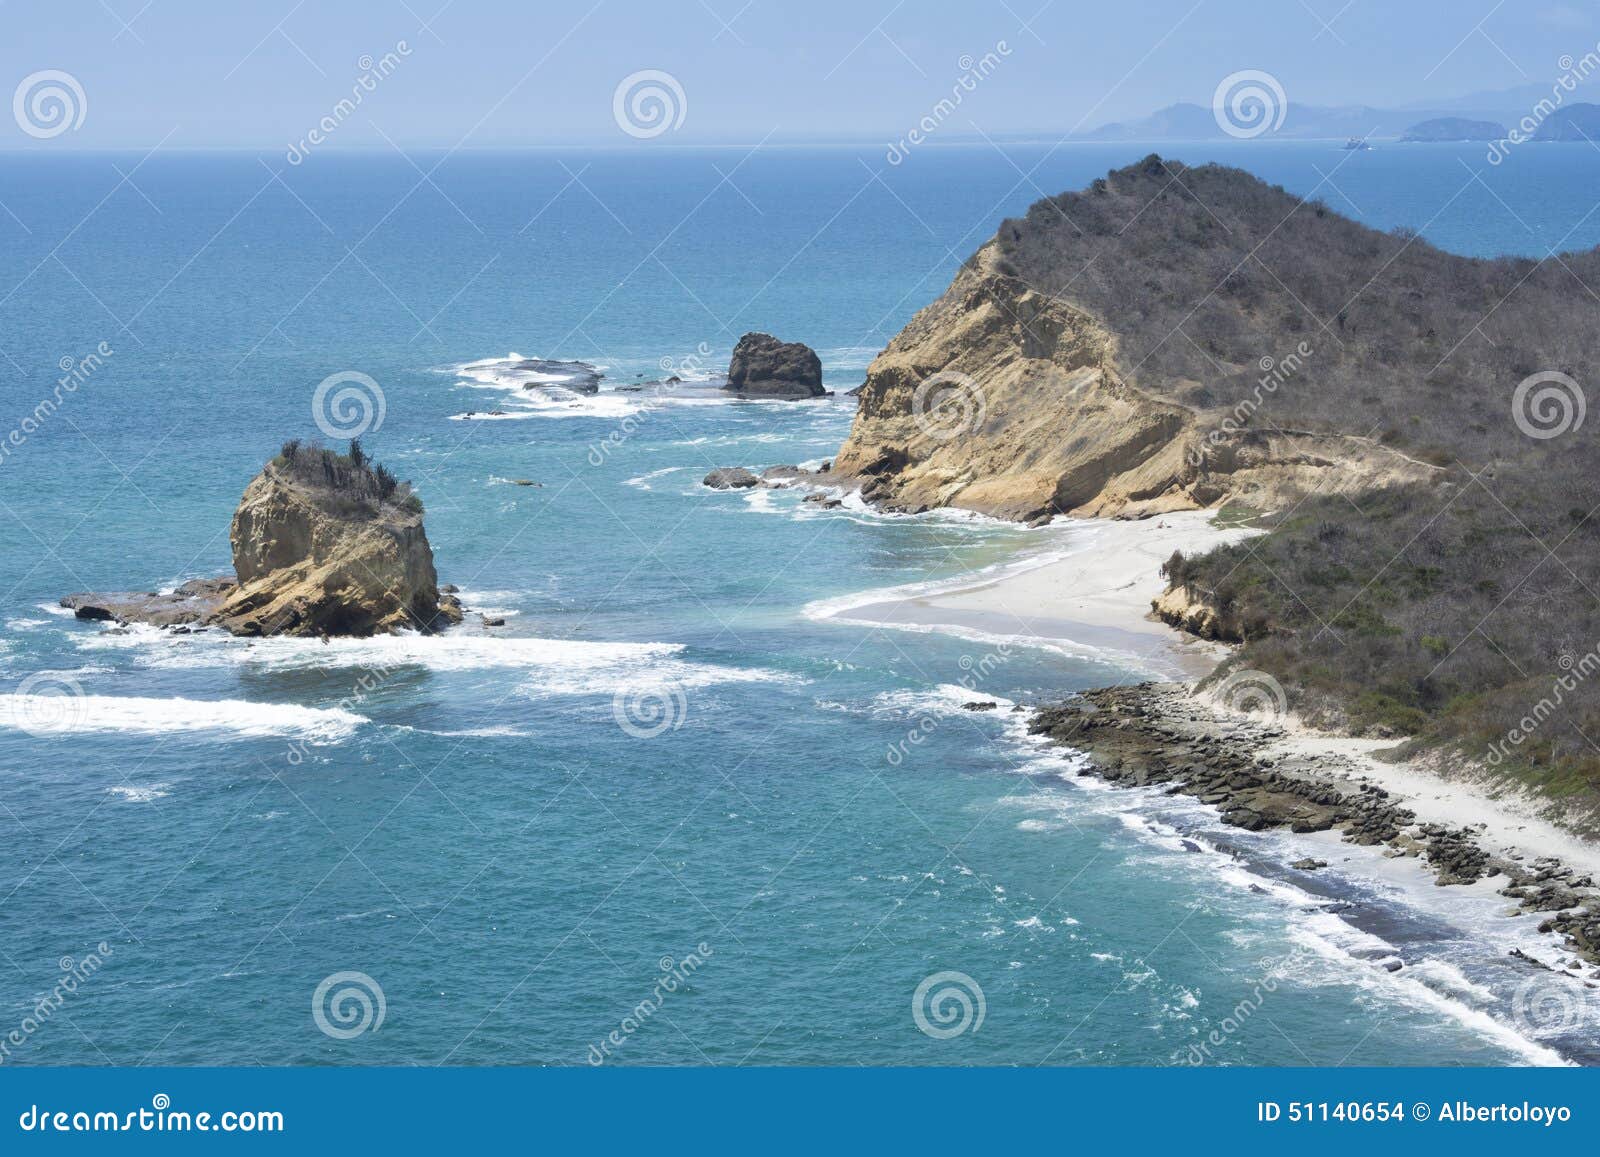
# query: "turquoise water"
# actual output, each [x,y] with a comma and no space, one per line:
[481,824]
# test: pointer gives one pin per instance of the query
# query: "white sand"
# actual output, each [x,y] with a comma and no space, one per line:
[1512,821]
[1095,598]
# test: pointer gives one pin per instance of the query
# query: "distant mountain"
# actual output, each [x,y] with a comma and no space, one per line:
[1507,104]
[1576,122]
[1195,122]
[1455,129]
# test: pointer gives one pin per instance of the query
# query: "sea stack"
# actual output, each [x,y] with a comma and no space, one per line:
[324,544]
[764,367]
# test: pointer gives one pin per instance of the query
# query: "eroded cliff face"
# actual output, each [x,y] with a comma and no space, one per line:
[311,561]
[1016,403]
[321,547]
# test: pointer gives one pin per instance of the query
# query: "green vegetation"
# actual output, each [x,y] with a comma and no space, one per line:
[1451,610]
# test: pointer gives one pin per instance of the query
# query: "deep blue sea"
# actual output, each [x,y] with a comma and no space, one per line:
[665,815]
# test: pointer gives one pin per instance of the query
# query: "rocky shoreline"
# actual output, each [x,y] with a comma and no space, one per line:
[1163,734]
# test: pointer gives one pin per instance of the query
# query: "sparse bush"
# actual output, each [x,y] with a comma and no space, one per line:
[353,476]
[1442,610]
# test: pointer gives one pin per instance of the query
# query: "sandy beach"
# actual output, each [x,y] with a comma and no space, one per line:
[1093,596]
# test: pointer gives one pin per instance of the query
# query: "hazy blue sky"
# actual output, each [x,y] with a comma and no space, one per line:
[495,72]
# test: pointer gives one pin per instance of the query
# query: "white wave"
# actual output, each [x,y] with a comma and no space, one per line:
[760,501]
[57,610]
[450,652]
[64,715]
[660,676]
[563,666]
[26,624]
[558,403]
[945,699]
[140,794]
[1443,974]
[642,482]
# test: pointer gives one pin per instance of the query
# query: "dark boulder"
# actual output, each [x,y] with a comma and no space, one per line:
[764,367]
[730,478]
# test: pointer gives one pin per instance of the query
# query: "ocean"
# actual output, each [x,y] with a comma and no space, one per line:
[669,813]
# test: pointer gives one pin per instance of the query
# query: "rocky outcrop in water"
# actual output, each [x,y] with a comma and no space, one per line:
[323,544]
[764,367]
[731,478]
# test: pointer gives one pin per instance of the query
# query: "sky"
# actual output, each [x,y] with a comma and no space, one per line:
[495,73]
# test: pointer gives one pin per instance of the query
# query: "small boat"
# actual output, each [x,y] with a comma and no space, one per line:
[1356,145]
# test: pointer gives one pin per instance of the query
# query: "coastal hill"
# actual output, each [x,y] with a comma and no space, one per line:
[1454,129]
[1176,337]
[324,544]
[1575,123]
